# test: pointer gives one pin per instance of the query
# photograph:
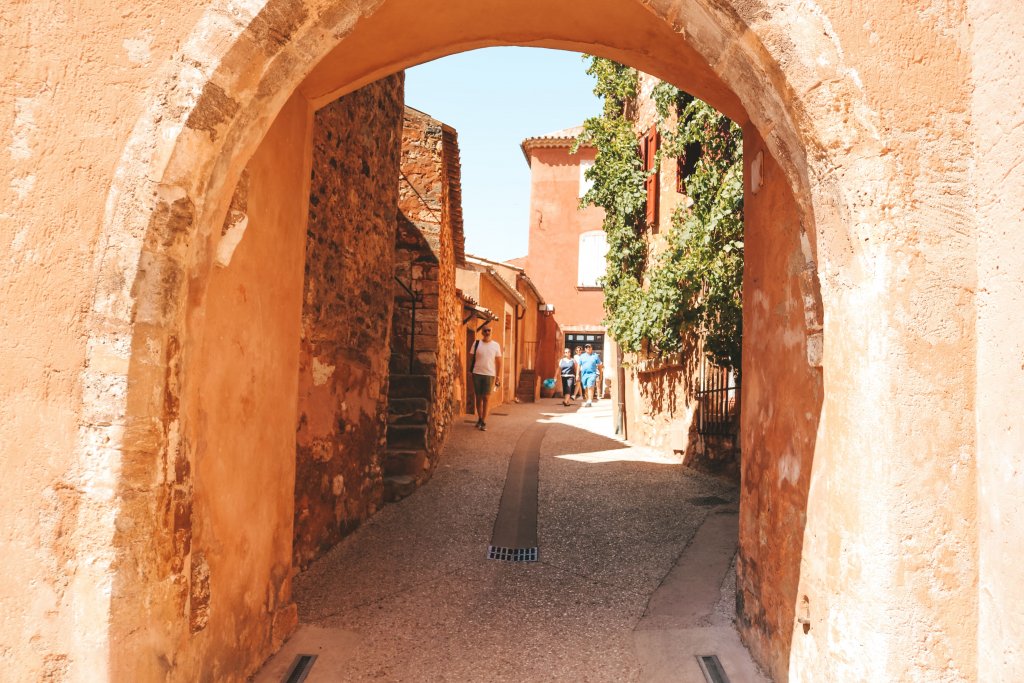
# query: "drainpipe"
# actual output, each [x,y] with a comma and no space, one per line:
[620,380]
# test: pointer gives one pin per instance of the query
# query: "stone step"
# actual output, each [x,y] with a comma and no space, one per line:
[410,386]
[398,487]
[404,411]
[525,390]
[407,436]
[399,461]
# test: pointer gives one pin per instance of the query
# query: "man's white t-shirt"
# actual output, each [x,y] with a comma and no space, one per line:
[486,352]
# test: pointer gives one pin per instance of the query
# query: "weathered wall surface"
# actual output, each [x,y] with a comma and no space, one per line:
[890,541]
[659,402]
[237,408]
[65,116]
[346,315]
[429,206]
[997,111]
[781,406]
[449,308]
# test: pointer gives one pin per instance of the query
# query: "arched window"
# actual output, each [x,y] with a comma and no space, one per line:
[593,248]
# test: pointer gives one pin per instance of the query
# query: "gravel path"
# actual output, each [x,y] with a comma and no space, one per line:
[414,598]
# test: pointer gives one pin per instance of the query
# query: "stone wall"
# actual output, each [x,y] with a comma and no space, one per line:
[661,392]
[428,232]
[660,405]
[346,315]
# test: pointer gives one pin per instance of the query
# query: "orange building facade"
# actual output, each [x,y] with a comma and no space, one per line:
[566,253]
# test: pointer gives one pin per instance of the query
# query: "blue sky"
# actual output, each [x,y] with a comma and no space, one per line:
[494,98]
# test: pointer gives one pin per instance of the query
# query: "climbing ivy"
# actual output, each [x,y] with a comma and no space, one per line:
[694,285]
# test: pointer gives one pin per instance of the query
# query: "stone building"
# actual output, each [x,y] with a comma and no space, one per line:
[536,342]
[480,280]
[678,402]
[347,307]
[425,364]
[150,393]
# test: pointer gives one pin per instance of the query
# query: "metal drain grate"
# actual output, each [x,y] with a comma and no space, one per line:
[712,669]
[300,669]
[512,554]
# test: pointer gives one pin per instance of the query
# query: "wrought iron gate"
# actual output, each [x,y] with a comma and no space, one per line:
[717,400]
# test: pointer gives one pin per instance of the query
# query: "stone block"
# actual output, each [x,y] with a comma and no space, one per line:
[407,436]
[398,487]
[411,386]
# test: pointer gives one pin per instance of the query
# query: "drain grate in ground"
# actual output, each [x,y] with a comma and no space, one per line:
[502,414]
[300,669]
[708,501]
[712,669]
[512,554]
[514,538]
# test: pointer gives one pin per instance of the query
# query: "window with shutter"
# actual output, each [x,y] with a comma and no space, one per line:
[686,165]
[650,155]
[592,253]
[585,183]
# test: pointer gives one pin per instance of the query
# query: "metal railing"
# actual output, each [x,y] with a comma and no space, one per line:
[414,297]
[717,400]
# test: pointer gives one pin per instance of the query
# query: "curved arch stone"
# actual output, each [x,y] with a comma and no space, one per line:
[780,65]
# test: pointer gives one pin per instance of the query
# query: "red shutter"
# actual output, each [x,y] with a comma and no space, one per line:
[651,183]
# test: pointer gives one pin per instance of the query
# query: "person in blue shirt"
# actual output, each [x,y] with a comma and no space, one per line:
[590,371]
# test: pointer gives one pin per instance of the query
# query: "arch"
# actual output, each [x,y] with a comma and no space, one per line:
[777,67]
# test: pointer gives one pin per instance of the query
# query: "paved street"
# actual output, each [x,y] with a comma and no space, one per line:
[411,596]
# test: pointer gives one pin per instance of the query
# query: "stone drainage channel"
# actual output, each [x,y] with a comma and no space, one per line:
[633,578]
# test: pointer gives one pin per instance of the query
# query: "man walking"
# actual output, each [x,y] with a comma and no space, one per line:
[485,364]
[590,368]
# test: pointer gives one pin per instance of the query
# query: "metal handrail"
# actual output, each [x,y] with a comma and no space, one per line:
[413,297]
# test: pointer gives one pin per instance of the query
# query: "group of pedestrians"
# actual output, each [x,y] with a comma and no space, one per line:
[580,373]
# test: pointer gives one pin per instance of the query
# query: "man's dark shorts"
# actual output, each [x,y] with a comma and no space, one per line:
[483,385]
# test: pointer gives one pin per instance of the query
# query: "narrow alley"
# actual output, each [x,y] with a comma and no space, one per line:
[618,594]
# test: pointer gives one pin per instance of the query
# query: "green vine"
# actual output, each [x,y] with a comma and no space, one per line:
[694,286]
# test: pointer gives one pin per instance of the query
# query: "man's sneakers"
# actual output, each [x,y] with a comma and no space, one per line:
[587,404]
[481,425]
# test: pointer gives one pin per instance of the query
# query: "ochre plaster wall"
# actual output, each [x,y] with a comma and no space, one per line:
[556,223]
[887,121]
[781,406]
[997,111]
[346,315]
[493,299]
[223,602]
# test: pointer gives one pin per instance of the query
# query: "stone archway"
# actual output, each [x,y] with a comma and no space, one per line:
[777,67]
